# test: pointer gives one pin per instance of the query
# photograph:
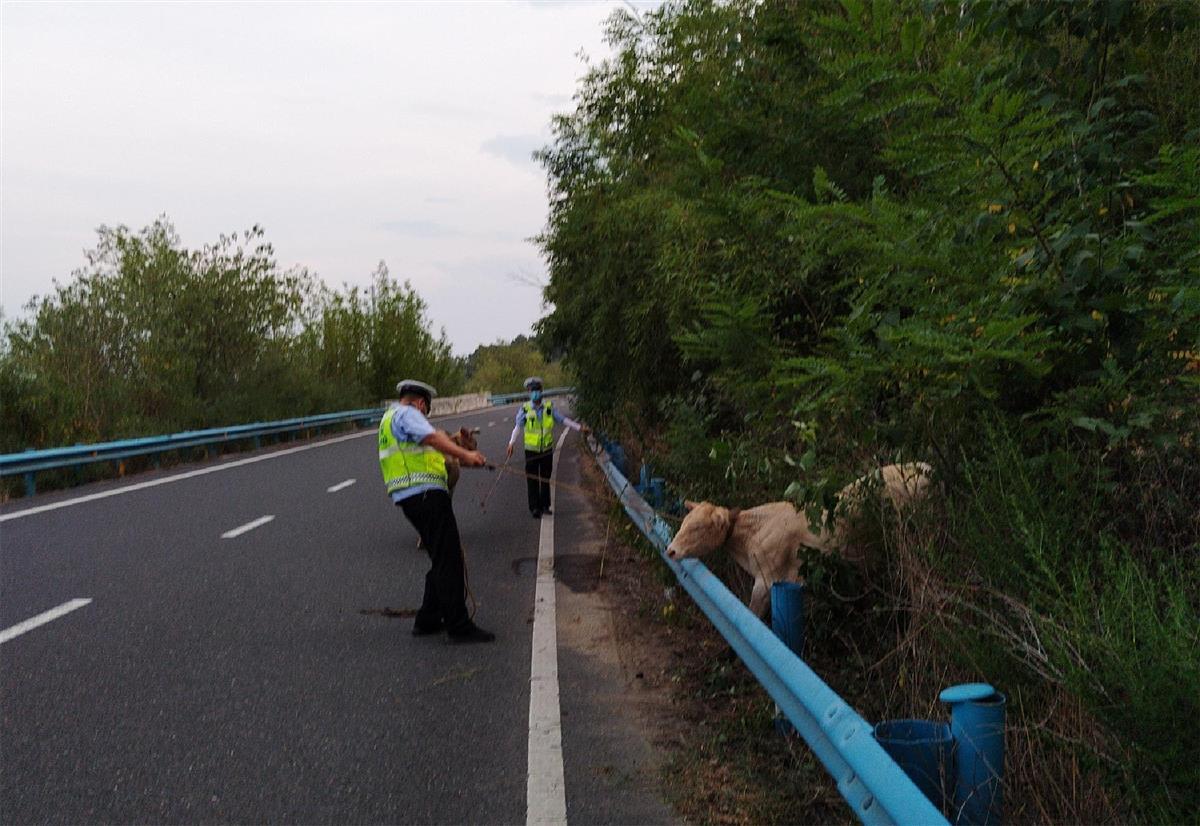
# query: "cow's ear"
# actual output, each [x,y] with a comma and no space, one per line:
[690,505]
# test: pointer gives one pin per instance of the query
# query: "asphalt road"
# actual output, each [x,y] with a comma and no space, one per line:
[226,676]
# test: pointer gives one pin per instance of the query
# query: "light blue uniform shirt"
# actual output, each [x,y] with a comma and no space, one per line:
[408,425]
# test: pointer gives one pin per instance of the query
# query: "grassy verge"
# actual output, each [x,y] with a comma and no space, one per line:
[1095,642]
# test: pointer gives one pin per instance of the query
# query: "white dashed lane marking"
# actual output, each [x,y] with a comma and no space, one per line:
[41,619]
[341,486]
[249,526]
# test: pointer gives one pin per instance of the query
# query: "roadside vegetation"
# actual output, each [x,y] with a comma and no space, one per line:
[150,337]
[503,367]
[790,242]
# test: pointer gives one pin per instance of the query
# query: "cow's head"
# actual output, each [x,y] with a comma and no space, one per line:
[465,438]
[704,529]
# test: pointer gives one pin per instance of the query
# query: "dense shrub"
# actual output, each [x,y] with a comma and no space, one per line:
[789,241]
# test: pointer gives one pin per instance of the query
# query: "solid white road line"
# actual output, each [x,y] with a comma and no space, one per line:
[545,790]
[249,526]
[340,486]
[41,619]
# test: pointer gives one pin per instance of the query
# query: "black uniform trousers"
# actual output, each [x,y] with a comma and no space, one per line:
[538,467]
[445,598]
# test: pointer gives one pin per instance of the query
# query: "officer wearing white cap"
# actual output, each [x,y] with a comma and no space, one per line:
[412,457]
[536,419]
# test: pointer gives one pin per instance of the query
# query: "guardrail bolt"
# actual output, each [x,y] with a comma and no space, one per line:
[977,713]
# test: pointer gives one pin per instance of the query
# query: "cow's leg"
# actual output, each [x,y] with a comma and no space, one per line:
[760,599]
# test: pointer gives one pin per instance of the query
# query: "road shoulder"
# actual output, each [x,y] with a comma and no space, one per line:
[610,713]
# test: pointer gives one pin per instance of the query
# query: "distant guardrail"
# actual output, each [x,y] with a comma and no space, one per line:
[876,787]
[509,398]
[30,462]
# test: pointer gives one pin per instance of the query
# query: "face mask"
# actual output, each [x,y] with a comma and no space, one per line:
[536,396]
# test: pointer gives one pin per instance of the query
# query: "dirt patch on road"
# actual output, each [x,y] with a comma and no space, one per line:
[722,760]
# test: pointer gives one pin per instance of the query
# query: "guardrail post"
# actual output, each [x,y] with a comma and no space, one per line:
[977,714]
[787,615]
[30,484]
[616,455]
[787,621]
[652,488]
[925,750]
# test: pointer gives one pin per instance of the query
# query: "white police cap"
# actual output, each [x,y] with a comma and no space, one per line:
[533,381]
[406,386]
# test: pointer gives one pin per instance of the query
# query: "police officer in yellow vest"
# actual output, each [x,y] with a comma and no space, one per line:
[414,470]
[536,420]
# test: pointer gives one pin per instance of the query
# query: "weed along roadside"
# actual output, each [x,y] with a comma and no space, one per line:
[727,761]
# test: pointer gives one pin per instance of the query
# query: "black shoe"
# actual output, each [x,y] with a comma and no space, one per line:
[536,514]
[547,511]
[422,629]
[472,633]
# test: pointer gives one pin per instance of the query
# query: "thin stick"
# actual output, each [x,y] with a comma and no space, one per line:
[483,501]
[604,550]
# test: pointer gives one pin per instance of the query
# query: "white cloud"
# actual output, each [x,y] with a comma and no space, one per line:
[517,149]
[418,229]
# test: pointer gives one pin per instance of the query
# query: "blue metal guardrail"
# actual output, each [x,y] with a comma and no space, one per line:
[509,398]
[30,462]
[877,789]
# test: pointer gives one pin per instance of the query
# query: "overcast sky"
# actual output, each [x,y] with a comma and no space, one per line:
[352,132]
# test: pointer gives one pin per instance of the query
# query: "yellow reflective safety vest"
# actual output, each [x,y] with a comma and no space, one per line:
[539,430]
[408,464]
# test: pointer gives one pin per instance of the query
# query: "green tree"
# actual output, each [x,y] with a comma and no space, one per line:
[788,241]
[503,367]
[150,337]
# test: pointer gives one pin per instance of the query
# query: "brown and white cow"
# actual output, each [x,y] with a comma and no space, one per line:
[765,540]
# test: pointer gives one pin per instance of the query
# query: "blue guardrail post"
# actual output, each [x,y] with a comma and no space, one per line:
[925,750]
[787,621]
[977,723]
[787,615]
